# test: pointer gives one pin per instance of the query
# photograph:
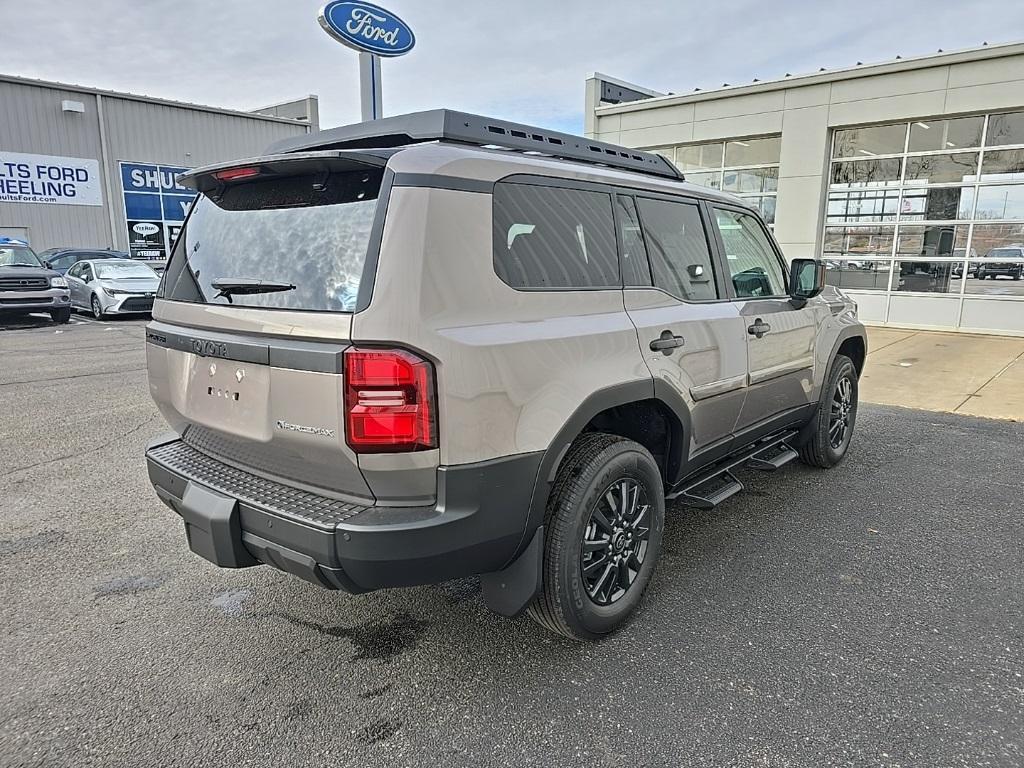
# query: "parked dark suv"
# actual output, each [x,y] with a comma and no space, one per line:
[993,266]
[440,345]
[27,285]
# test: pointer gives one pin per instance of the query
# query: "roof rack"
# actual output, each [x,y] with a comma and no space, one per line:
[447,125]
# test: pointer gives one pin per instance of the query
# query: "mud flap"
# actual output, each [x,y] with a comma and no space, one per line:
[508,592]
[212,527]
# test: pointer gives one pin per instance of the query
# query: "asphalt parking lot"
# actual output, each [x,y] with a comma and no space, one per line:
[868,616]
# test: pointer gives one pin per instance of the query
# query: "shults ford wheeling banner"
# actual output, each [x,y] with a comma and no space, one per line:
[49,179]
[155,206]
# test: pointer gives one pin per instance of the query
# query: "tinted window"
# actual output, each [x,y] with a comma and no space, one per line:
[547,237]
[753,266]
[310,231]
[678,249]
[636,270]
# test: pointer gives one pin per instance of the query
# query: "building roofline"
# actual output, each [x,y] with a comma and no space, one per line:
[18,80]
[623,84]
[945,58]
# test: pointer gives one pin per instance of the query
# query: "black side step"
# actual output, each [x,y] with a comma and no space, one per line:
[770,459]
[711,487]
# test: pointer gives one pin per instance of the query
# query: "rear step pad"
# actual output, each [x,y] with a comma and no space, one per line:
[713,486]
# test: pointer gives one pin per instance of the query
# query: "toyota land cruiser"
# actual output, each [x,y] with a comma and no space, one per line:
[440,345]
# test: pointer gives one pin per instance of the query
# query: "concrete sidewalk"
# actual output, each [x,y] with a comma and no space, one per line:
[954,372]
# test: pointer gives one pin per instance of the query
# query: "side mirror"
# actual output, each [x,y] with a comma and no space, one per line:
[806,280]
[48,265]
[86,278]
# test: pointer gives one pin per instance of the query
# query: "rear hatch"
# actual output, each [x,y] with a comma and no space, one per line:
[246,351]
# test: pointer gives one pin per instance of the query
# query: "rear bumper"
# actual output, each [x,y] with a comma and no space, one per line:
[34,301]
[235,519]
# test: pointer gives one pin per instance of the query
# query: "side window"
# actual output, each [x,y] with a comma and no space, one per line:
[86,272]
[678,246]
[76,270]
[753,266]
[549,237]
[635,269]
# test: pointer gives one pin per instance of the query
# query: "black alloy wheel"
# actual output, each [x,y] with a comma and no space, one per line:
[839,417]
[615,541]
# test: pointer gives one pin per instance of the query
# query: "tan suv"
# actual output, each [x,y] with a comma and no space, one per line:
[441,345]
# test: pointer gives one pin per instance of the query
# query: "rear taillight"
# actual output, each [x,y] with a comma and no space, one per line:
[389,401]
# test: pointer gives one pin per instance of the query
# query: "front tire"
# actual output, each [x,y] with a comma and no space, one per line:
[97,309]
[61,316]
[831,429]
[603,530]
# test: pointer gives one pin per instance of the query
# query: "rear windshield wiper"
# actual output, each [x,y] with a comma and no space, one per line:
[230,286]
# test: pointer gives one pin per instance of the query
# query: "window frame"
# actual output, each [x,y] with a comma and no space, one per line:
[716,270]
[578,186]
[724,261]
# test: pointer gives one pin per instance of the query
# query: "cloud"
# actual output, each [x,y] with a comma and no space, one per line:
[525,61]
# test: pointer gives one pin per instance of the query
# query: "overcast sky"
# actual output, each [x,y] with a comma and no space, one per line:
[525,60]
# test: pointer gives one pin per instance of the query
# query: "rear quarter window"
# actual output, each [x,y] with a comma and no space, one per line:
[553,238]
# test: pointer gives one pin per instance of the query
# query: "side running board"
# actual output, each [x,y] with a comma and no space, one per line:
[717,483]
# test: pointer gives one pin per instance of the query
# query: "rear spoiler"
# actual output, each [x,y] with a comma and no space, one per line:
[211,178]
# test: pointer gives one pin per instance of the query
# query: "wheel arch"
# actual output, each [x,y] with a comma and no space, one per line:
[611,407]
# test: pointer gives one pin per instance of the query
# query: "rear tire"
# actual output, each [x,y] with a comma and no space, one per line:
[831,428]
[603,530]
[61,316]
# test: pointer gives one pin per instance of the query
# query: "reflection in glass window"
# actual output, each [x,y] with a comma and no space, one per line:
[1001,202]
[932,241]
[635,268]
[988,237]
[859,243]
[548,237]
[937,204]
[1003,165]
[678,247]
[766,205]
[751,180]
[958,133]
[1007,261]
[867,205]
[866,173]
[925,277]
[752,151]
[1005,129]
[943,169]
[753,266]
[712,180]
[858,275]
[699,156]
[874,140]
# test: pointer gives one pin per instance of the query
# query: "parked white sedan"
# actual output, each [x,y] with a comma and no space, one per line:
[112,286]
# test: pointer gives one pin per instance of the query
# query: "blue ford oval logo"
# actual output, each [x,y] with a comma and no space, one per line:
[366,27]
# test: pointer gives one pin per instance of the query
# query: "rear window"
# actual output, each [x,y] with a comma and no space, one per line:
[310,231]
[548,237]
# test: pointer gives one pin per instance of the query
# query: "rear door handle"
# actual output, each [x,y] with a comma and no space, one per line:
[666,343]
[759,328]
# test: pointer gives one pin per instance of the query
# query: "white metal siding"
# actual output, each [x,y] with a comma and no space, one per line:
[137,130]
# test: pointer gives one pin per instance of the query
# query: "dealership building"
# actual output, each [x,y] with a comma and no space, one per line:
[81,167]
[906,177]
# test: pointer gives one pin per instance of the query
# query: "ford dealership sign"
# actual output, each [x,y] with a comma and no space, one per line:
[366,27]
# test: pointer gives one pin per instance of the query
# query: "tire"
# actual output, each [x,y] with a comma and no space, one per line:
[61,316]
[97,310]
[1017,274]
[821,449]
[588,481]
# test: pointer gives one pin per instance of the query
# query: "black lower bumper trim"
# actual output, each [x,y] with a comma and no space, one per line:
[475,527]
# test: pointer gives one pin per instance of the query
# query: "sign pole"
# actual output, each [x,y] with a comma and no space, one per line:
[370,101]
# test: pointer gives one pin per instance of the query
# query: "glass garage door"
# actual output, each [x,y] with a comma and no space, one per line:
[924,222]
